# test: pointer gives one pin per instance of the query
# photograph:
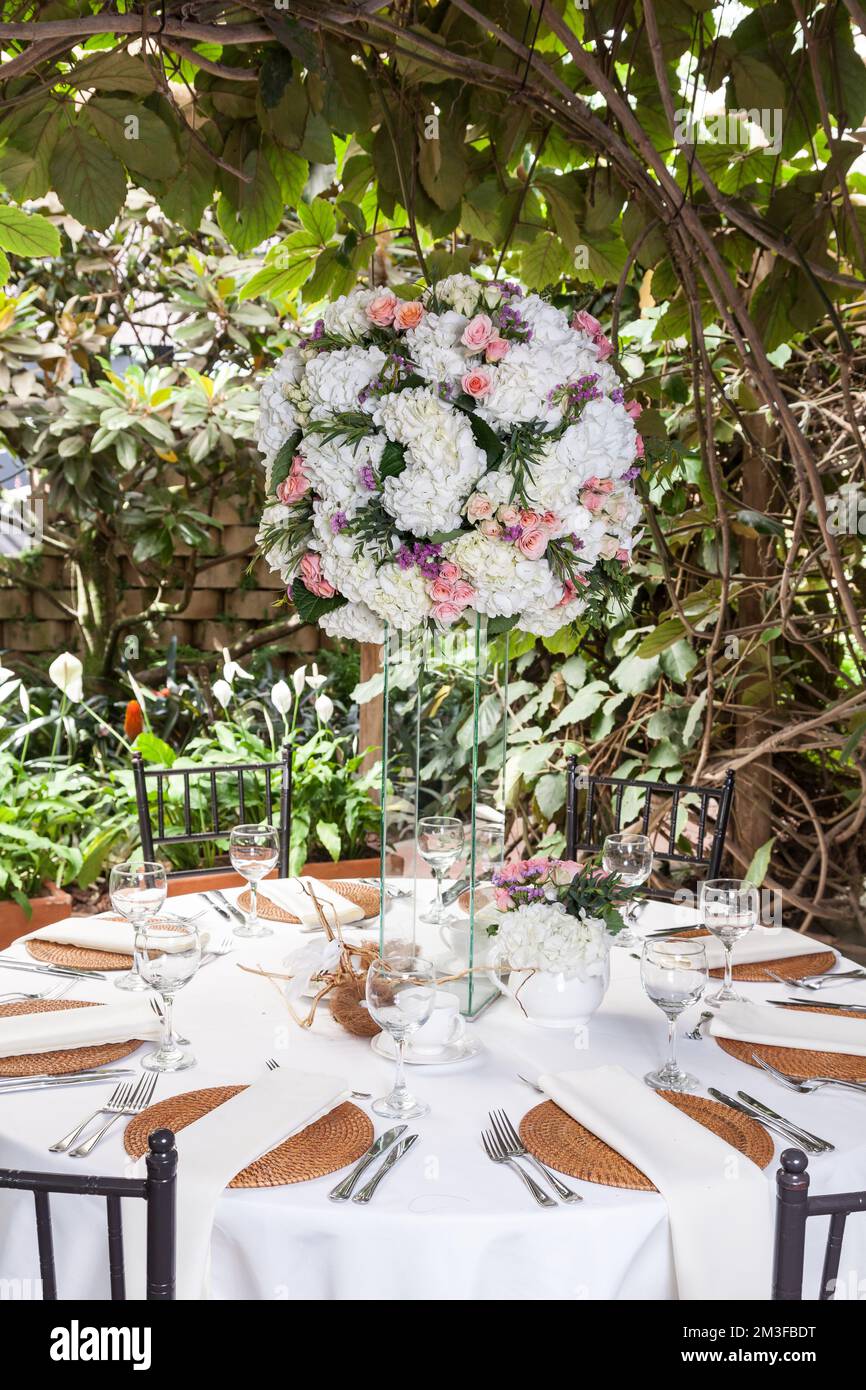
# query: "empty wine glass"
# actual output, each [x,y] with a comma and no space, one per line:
[167,955]
[440,841]
[401,992]
[674,975]
[630,857]
[136,891]
[253,851]
[729,908]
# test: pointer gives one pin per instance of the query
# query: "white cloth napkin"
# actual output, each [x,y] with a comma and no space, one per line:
[762,944]
[290,894]
[211,1152]
[103,933]
[58,1029]
[720,1205]
[761,1023]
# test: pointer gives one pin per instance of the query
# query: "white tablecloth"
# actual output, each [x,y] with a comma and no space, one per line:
[445,1224]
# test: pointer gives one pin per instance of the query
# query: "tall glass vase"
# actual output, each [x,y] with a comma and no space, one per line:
[444,750]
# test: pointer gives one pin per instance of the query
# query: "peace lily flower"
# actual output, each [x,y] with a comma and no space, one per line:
[315,681]
[223,693]
[324,708]
[231,669]
[66,673]
[298,679]
[281,698]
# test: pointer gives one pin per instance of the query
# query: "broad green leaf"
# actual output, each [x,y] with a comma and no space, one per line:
[27,234]
[138,137]
[88,180]
[310,608]
[154,749]
[757,870]
[250,212]
[661,637]
[545,262]
[113,72]
[5,268]
[549,794]
[584,704]
[329,835]
[319,219]
[290,171]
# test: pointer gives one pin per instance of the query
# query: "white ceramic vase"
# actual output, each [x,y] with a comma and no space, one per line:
[551,1000]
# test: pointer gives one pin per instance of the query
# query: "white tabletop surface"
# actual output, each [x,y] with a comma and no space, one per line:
[446,1224]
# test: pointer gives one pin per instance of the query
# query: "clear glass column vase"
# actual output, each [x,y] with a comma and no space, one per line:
[444,748]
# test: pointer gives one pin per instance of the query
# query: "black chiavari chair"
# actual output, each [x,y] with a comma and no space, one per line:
[155,821]
[600,811]
[158,1189]
[794,1206]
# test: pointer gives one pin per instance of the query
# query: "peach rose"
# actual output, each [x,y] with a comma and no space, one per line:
[508,515]
[478,333]
[296,484]
[477,384]
[446,612]
[491,529]
[496,349]
[529,518]
[449,571]
[311,574]
[382,308]
[479,507]
[550,520]
[533,542]
[408,314]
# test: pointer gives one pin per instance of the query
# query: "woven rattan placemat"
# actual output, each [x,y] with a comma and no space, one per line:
[811,963]
[563,1144]
[337,1139]
[801,1062]
[59,1063]
[364,894]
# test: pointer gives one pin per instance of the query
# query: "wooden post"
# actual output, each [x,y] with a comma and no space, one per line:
[370,714]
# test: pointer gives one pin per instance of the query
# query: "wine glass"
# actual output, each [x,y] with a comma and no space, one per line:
[729,909]
[401,992]
[136,891]
[631,858]
[167,955]
[440,841]
[674,975]
[253,850]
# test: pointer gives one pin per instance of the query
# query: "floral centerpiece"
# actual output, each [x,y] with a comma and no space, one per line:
[463,449]
[553,928]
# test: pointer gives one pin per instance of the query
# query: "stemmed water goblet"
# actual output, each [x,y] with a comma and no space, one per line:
[630,857]
[401,993]
[167,955]
[137,891]
[729,908]
[253,851]
[674,975]
[440,842]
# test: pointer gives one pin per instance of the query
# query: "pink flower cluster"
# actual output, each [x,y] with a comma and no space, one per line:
[310,570]
[292,488]
[385,310]
[530,531]
[634,409]
[521,881]
[449,593]
[589,324]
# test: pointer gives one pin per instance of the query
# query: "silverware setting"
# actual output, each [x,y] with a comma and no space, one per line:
[783,1128]
[818,982]
[216,949]
[513,1146]
[774,1115]
[695,1033]
[221,904]
[14,1084]
[67,971]
[809,1083]
[526,1081]
[389,891]
[394,1155]
[814,1003]
[497,1154]
[672,931]
[343,1191]
[273,1065]
[56,992]
[126,1099]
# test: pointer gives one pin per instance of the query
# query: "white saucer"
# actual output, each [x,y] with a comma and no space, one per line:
[460,1051]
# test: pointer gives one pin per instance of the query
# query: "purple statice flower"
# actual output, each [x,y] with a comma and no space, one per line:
[576,542]
[339,522]
[512,533]
[424,554]
[618,396]
[405,558]
[630,474]
[318,330]
[367,477]
[508,289]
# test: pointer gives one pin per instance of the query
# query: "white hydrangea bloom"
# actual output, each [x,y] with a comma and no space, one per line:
[347,316]
[354,621]
[334,380]
[601,444]
[400,597]
[435,348]
[277,415]
[334,469]
[543,936]
[461,292]
[443,461]
[275,514]
[504,581]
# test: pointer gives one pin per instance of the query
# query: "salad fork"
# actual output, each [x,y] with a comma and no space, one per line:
[273,1065]
[810,1083]
[514,1147]
[20,997]
[817,982]
[131,1105]
[497,1155]
[121,1093]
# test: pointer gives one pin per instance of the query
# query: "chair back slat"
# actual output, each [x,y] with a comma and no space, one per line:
[45,1242]
[187,808]
[832,1255]
[675,812]
[794,1206]
[116,1271]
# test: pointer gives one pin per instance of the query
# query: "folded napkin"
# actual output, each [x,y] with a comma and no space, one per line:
[103,933]
[59,1029]
[761,1023]
[720,1205]
[292,896]
[215,1148]
[762,944]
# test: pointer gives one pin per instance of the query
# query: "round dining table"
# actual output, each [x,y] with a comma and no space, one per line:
[446,1223]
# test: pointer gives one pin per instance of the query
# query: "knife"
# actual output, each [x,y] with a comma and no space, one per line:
[396,1153]
[774,1115]
[676,931]
[774,1125]
[50,1083]
[229,909]
[344,1189]
[453,893]
[815,1004]
[67,970]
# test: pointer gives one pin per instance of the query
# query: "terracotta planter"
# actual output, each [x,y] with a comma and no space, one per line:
[227,878]
[52,906]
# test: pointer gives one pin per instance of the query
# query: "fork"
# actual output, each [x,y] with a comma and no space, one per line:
[132,1105]
[273,1065]
[695,1033]
[497,1154]
[818,982]
[54,993]
[809,1083]
[219,948]
[514,1147]
[120,1094]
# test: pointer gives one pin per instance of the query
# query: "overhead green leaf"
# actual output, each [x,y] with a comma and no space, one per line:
[27,234]
[249,212]
[138,137]
[88,179]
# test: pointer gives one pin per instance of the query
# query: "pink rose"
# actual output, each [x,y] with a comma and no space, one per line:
[605,347]
[477,384]
[408,314]
[550,520]
[382,308]
[447,570]
[503,899]
[462,593]
[639,447]
[446,612]
[585,321]
[478,333]
[312,577]
[528,518]
[623,557]
[491,529]
[440,591]
[296,484]
[496,349]
[533,542]
[593,501]
[479,507]
[634,409]
[508,515]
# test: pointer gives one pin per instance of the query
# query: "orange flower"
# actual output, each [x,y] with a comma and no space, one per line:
[133,720]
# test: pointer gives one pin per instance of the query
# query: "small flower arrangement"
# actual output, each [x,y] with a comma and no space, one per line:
[557,916]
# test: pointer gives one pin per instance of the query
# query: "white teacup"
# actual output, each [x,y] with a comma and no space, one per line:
[444,1026]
